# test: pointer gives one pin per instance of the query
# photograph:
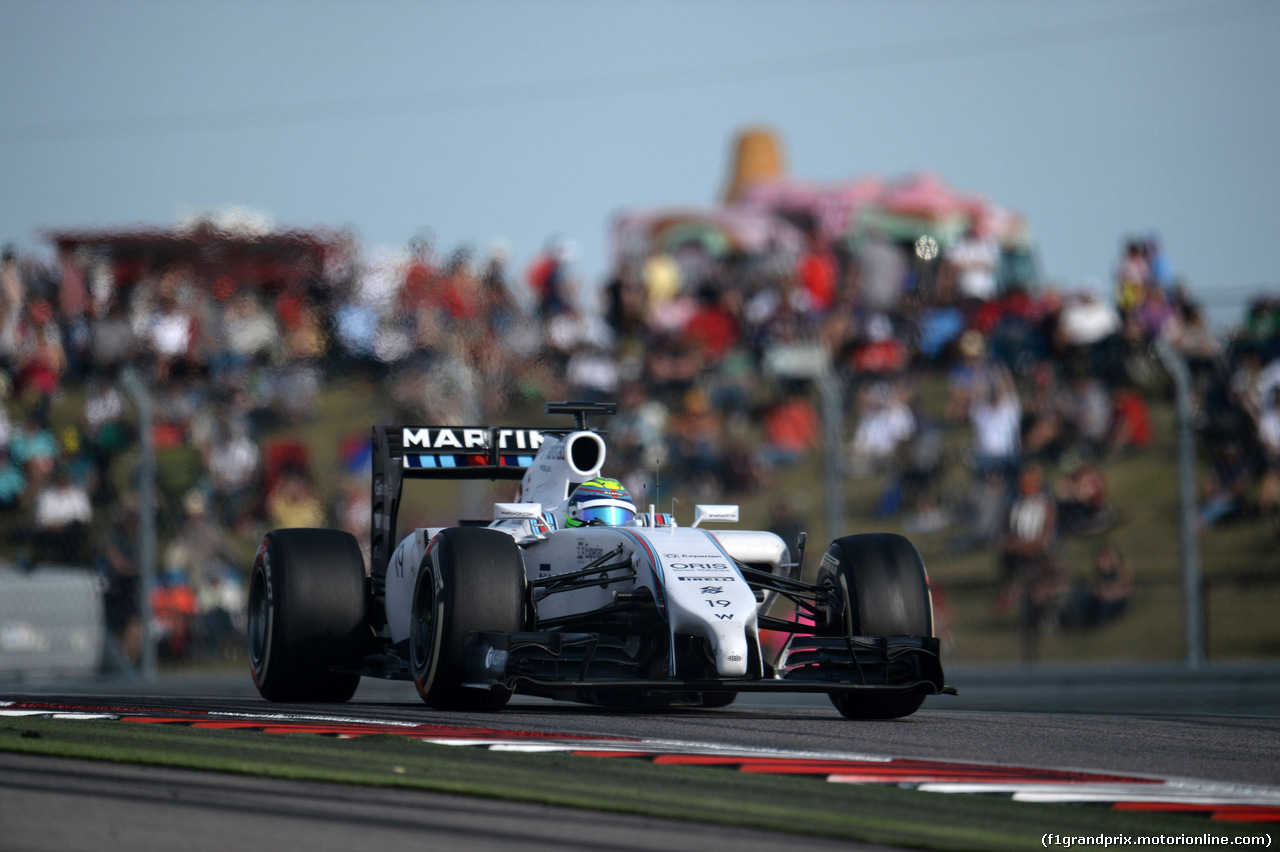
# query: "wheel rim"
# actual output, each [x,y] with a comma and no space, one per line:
[422,634]
[259,615]
[836,619]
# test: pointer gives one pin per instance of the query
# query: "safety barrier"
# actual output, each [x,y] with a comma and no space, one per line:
[51,623]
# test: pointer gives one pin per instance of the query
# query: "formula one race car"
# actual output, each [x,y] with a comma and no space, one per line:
[572,593]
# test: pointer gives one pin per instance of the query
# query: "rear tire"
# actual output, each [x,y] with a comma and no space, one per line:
[882,580]
[306,615]
[471,579]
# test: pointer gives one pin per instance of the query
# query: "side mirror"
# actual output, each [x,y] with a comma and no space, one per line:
[516,511]
[718,514]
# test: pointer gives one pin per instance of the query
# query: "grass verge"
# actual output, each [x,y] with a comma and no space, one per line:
[696,794]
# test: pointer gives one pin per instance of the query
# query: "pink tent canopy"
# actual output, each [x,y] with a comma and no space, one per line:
[925,196]
[831,207]
[718,230]
[775,213]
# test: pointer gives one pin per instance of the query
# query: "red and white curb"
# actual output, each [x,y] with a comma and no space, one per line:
[1122,791]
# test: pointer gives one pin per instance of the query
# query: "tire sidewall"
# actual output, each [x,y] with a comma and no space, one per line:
[262,583]
[425,662]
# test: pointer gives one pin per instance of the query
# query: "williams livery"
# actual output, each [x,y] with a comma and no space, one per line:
[574,592]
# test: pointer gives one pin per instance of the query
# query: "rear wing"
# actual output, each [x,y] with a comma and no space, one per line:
[450,452]
[456,452]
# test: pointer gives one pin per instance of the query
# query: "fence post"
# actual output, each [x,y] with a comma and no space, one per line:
[1192,585]
[833,431]
[141,399]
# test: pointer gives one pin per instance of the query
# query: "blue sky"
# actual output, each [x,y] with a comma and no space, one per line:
[517,121]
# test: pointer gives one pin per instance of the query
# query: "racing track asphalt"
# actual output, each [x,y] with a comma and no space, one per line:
[69,805]
[1240,749]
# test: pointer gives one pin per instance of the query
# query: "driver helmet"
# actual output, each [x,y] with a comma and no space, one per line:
[600,501]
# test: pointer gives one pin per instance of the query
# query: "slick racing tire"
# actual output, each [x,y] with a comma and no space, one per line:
[471,579]
[306,615]
[882,580]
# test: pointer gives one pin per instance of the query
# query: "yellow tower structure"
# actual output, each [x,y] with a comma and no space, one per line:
[757,155]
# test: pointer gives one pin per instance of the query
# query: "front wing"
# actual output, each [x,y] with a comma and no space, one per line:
[549,663]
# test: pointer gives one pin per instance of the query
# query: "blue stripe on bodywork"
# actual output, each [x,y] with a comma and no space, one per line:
[430,460]
[658,574]
[516,461]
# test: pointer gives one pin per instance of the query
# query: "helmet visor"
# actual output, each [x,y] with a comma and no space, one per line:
[609,514]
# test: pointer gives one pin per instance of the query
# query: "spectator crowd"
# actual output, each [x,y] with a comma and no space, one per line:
[1040,389]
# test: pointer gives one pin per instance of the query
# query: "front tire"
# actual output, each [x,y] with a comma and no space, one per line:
[882,581]
[471,579]
[306,615]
